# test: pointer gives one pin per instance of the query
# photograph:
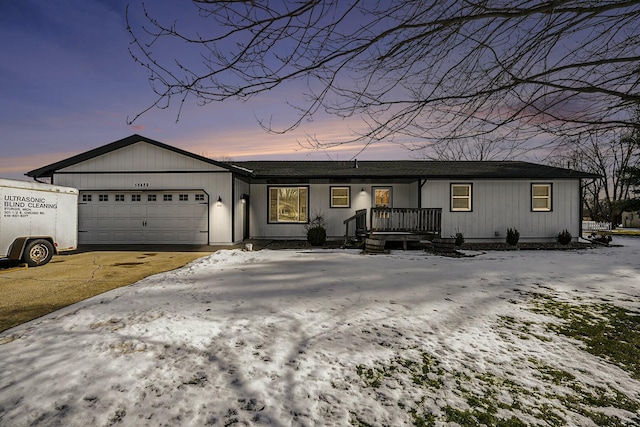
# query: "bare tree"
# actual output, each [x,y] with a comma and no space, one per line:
[482,147]
[612,159]
[429,69]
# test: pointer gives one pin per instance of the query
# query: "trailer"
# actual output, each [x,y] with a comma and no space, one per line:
[37,220]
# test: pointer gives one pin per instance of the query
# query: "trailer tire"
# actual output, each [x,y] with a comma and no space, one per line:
[38,252]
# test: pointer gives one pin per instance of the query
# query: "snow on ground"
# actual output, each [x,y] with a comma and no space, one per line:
[319,337]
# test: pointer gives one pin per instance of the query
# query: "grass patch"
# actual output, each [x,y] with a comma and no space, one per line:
[607,331]
[560,398]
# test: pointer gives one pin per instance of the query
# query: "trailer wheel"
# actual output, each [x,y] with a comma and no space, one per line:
[38,252]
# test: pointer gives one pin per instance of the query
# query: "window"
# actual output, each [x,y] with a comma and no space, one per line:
[167,197]
[382,197]
[461,197]
[135,198]
[151,198]
[288,204]
[541,197]
[183,197]
[86,197]
[103,197]
[340,197]
[199,197]
[119,197]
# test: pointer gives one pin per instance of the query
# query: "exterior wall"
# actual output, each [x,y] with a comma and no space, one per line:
[404,195]
[142,156]
[631,219]
[501,204]
[216,182]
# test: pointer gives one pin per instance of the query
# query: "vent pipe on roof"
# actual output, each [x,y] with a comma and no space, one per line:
[355,163]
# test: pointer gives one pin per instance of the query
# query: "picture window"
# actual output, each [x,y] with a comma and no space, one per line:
[288,204]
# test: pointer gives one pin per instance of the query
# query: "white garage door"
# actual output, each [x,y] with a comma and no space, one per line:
[143,217]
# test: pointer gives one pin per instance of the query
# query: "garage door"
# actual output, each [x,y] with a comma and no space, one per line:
[143,217]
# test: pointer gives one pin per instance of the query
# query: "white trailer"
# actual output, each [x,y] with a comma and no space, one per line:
[37,220]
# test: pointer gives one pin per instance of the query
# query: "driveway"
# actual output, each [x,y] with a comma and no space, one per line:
[28,293]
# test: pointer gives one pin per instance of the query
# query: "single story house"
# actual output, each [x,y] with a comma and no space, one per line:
[140,191]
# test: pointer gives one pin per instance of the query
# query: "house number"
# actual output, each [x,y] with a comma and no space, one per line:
[141,184]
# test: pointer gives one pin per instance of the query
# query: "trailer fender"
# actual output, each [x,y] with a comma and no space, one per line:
[17,248]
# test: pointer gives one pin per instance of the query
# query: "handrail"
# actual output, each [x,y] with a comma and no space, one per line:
[358,214]
[360,217]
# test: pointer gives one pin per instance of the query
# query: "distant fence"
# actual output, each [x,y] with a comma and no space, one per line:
[591,226]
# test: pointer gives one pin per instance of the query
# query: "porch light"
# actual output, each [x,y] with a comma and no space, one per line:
[219,202]
[362,190]
[243,198]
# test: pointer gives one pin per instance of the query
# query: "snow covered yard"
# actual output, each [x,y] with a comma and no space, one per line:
[288,338]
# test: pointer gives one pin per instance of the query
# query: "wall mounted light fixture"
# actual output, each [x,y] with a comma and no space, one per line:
[243,198]
[219,202]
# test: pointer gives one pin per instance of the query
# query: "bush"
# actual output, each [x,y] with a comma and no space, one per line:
[459,239]
[513,235]
[564,237]
[316,232]
[317,235]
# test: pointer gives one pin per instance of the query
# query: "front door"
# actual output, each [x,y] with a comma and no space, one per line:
[382,197]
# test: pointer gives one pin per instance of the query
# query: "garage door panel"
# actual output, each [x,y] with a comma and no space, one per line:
[137,218]
[103,223]
[137,211]
[104,210]
[104,237]
[122,211]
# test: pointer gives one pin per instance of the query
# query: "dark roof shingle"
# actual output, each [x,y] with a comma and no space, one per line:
[407,169]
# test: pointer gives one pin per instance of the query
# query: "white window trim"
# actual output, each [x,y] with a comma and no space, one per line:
[469,198]
[333,204]
[548,197]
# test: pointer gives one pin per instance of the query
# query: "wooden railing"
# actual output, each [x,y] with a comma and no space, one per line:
[414,220]
[360,220]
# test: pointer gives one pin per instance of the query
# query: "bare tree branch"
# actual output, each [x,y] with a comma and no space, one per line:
[422,69]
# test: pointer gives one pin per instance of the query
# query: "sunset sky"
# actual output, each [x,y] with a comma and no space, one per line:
[68,84]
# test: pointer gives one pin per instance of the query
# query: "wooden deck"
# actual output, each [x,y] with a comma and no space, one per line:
[396,224]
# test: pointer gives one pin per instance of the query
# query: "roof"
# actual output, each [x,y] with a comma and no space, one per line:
[407,169]
[304,169]
[49,170]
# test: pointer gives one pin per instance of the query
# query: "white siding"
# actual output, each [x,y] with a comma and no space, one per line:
[404,195]
[141,156]
[501,204]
